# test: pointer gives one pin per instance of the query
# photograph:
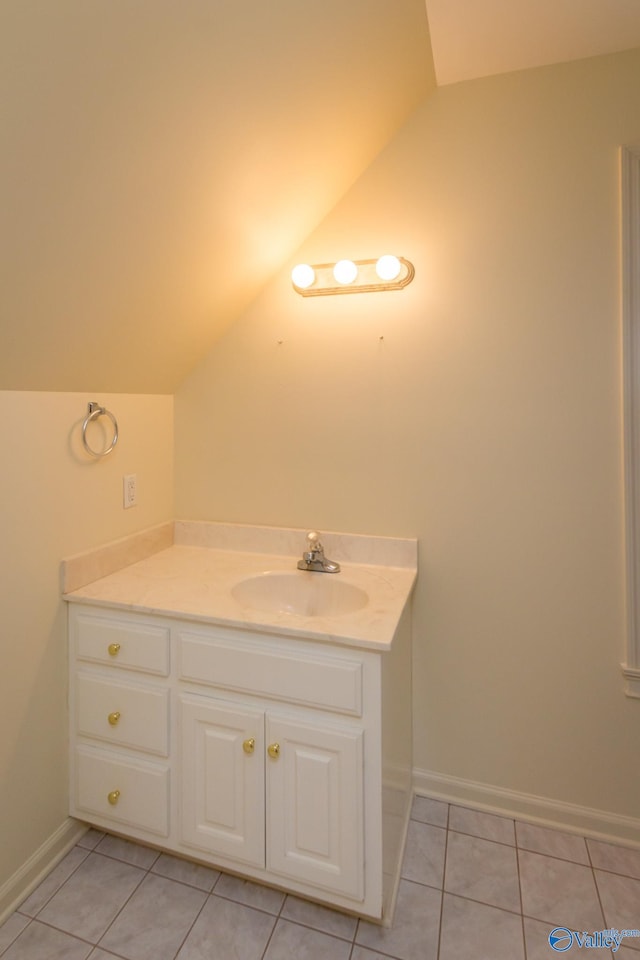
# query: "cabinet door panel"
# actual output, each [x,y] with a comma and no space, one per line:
[222,782]
[315,804]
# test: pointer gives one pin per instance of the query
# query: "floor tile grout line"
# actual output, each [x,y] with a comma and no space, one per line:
[527,849]
[524,937]
[109,953]
[185,883]
[614,873]
[381,952]
[195,919]
[113,856]
[355,935]
[52,926]
[270,937]
[82,842]
[444,872]
[597,886]
[463,896]
[476,836]
[145,874]
[523,846]
[220,896]
[485,903]
[18,934]
[309,926]
[276,918]
[250,906]
[553,856]
[57,889]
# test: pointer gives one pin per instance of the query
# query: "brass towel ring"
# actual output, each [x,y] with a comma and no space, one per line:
[94,410]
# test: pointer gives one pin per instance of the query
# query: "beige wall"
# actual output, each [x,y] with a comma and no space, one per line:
[55,502]
[479,410]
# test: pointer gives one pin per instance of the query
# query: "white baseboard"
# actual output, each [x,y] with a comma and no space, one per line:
[632,680]
[18,887]
[557,814]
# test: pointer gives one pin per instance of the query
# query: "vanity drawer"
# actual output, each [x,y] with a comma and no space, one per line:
[314,681]
[116,789]
[122,643]
[122,713]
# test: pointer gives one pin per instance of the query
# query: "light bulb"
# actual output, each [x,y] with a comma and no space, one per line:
[345,271]
[388,267]
[303,275]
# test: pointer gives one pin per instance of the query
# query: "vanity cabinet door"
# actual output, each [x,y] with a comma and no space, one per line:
[315,816]
[222,778]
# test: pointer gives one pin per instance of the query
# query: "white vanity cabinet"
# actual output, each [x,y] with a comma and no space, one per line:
[276,758]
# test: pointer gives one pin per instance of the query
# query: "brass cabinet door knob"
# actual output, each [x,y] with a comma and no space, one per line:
[113,797]
[114,649]
[114,717]
[249,745]
[274,750]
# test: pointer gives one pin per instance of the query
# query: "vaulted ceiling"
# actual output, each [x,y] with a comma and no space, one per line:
[478,38]
[161,159]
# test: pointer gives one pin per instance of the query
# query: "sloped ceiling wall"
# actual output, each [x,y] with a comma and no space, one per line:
[480,38]
[160,160]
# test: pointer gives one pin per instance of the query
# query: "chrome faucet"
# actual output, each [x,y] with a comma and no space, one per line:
[313,557]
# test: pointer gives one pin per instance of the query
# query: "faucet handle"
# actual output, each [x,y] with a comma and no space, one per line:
[315,550]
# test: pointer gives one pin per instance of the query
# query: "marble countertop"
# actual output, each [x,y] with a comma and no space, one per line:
[193,581]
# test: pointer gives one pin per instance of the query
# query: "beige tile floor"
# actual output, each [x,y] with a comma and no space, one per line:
[475,887]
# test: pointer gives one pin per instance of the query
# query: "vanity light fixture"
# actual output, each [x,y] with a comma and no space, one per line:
[352,276]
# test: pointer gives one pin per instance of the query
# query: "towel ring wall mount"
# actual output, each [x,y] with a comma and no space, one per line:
[94,411]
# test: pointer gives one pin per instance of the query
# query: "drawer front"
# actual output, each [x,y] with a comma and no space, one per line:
[326,682]
[114,788]
[123,714]
[122,643]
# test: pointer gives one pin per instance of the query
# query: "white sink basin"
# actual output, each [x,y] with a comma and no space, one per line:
[299,592]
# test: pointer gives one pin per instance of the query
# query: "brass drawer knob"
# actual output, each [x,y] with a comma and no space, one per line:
[113,797]
[114,649]
[274,750]
[249,745]
[114,717]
